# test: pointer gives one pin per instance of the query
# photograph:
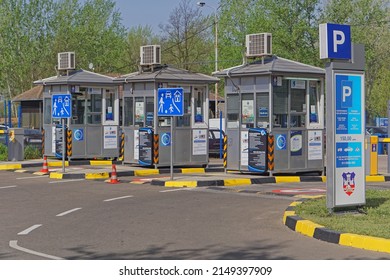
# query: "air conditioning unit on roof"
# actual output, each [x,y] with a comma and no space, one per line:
[66,61]
[258,44]
[150,55]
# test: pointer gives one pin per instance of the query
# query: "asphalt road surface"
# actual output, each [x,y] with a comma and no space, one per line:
[43,219]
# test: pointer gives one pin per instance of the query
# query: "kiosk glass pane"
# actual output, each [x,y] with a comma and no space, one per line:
[280,104]
[95,109]
[313,101]
[298,100]
[139,111]
[185,120]
[47,111]
[110,106]
[247,110]
[199,100]
[233,110]
[78,110]
[149,111]
[262,109]
[129,111]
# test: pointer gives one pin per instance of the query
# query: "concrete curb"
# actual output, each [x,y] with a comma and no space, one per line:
[250,181]
[310,229]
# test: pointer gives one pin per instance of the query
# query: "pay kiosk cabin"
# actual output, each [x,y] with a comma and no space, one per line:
[284,97]
[94,122]
[140,107]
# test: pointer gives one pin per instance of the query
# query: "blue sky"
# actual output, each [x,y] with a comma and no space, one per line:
[150,12]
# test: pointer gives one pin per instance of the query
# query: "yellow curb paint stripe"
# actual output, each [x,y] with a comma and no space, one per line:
[287,179]
[287,214]
[54,175]
[306,227]
[309,196]
[365,242]
[92,176]
[236,182]
[146,172]
[57,163]
[40,173]
[375,178]
[20,170]
[181,184]
[10,166]
[295,203]
[100,162]
[193,170]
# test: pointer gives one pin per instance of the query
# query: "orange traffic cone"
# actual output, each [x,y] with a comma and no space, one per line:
[114,178]
[45,168]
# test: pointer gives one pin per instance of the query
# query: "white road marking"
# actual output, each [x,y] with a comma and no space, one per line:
[68,212]
[174,190]
[33,177]
[116,198]
[28,230]
[8,187]
[14,244]
[65,181]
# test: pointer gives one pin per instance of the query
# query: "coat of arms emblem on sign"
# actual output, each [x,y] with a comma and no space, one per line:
[349,182]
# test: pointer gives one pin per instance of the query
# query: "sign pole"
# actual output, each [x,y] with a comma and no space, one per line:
[63,144]
[172,148]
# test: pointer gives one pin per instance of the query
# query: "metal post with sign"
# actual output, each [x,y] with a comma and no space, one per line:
[62,108]
[170,104]
[345,102]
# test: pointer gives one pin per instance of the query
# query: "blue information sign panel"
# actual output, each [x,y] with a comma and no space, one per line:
[349,123]
[61,105]
[170,102]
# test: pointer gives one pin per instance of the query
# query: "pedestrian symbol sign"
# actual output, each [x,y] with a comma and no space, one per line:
[61,105]
[170,102]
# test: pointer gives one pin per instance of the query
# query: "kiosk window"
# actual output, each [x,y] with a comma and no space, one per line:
[78,110]
[313,102]
[94,113]
[199,100]
[129,111]
[110,106]
[149,111]
[247,110]
[280,104]
[262,109]
[47,110]
[185,120]
[233,110]
[139,111]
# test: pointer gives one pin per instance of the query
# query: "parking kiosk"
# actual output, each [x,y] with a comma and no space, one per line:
[286,99]
[93,128]
[141,122]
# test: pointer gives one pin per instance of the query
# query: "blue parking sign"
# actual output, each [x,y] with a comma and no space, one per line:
[335,41]
[61,106]
[170,102]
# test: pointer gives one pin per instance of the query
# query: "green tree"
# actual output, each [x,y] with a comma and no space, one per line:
[184,42]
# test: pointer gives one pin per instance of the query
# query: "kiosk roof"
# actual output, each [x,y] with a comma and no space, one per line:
[77,77]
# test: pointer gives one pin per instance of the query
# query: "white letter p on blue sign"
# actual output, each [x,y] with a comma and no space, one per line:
[335,41]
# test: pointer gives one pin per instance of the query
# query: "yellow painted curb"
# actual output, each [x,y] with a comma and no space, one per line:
[295,203]
[180,184]
[100,162]
[20,170]
[54,175]
[287,214]
[146,172]
[193,170]
[92,176]
[235,182]
[309,196]
[375,178]
[287,179]
[41,173]
[365,242]
[10,166]
[57,163]
[306,227]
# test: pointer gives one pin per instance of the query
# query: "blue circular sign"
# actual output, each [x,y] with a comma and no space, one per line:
[166,139]
[281,142]
[78,135]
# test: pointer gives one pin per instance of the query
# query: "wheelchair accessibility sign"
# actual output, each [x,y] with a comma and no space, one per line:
[170,102]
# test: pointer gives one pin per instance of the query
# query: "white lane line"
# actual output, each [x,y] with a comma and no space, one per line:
[66,181]
[174,190]
[28,230]
[68,212]
[32,177]
[8,187]
[14,244]
[116,198]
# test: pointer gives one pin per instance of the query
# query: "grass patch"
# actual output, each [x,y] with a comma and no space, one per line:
[375,221]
